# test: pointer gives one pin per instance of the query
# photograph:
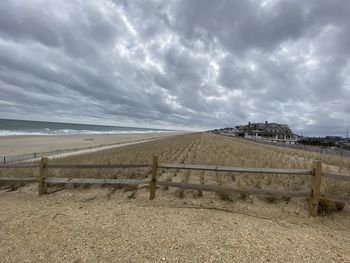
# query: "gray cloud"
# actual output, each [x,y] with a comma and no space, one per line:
[190,64]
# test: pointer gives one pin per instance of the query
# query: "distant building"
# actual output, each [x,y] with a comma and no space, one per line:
[265,130]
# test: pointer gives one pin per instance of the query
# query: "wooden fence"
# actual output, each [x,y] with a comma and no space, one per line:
[314,194]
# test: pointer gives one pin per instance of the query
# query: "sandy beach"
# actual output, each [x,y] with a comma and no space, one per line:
[22,144]
[121,224]
[106,225]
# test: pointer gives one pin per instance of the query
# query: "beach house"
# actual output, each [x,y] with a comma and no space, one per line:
[265,130]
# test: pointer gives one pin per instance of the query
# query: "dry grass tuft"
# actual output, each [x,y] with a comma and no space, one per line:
[327,207]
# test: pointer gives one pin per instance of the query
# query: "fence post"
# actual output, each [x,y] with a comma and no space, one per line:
[153,182]
[315,188]
[4,159]
[42,175]
[202,181]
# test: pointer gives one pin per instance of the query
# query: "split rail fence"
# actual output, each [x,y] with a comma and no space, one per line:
[314,195]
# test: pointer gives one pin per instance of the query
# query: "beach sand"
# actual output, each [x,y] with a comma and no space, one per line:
[114,224]
[22,144]
[107,225]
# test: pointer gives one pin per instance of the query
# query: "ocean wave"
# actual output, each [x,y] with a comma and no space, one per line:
[74,132]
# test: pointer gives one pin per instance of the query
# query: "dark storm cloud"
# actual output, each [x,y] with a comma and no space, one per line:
[198,64]
[240,25]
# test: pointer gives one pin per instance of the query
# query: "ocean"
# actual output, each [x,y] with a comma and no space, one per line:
[21,127]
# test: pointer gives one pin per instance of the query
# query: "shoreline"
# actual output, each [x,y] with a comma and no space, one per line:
[28,144]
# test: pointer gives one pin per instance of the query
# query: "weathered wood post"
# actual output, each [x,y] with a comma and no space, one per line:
[153,182]
[42,175]
[315,188]
[202,181]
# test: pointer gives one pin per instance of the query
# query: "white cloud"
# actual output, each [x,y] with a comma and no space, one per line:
[177,63]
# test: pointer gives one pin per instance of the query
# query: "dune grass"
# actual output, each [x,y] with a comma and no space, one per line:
[206,148]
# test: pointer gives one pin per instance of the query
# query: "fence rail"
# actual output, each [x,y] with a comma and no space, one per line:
[336,198]
[223,189]
[236,169]
[10,180]
[96,166]
[59,180]
[314,195]
[337,177]
[9,166]
[35,155]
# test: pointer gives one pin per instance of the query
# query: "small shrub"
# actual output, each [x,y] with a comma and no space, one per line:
[244,196]
[326,207]
[270,199]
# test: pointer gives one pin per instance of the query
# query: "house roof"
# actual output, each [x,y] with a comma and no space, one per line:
[263,126]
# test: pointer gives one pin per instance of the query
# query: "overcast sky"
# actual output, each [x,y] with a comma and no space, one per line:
[183,64]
